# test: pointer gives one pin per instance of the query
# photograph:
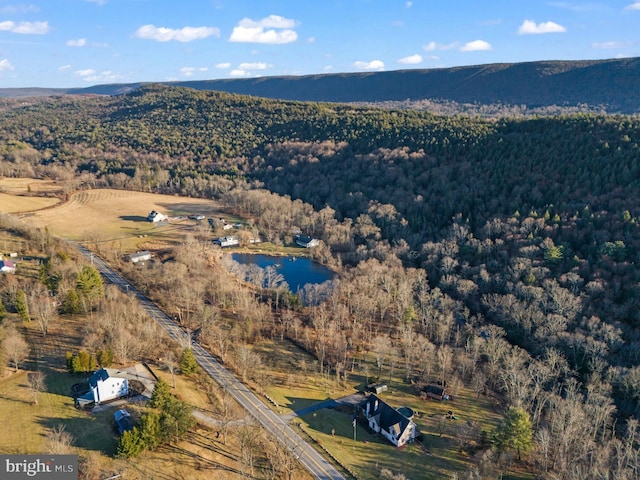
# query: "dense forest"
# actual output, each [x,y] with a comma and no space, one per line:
[514,242]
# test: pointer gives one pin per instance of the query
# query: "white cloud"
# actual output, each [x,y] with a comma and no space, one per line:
[411,60]
[185,34]
[223,65]
[85,72]
[273,29]
[372,65]
[311,40]
[529,27]
[611,44]
[408,4]
[577,7]
[433,46]
[5,65]
[238,73]
[9,9]
[80,42]
[633,6]
[187,71]
[253,66]
[97,2]
[25,28]
[105,76]
[64,67]
[475,46]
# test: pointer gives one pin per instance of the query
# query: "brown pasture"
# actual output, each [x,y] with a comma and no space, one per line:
[121,216]
[22,186]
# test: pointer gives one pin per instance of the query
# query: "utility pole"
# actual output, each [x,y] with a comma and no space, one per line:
[354,423]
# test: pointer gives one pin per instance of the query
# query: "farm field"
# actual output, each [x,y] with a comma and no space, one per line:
[27,194]
[18,203]
[121,216]
[24,186]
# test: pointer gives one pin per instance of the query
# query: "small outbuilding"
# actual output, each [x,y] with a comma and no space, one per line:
[124,421]
[377,388]
[140,257]
[437,392]
[7,267]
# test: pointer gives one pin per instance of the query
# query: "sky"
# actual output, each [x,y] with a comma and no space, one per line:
[79,43]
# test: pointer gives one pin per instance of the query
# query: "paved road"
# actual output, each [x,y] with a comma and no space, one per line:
[319,467]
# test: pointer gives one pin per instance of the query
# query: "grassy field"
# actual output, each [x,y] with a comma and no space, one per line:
[17,204]
[116,215]
[294,380]
[19,195]
[24,186]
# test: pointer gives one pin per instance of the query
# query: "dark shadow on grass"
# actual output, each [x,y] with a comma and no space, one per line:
[89,432]
[15,400]
[134,218]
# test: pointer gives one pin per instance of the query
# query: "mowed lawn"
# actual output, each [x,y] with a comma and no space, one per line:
[117,215]
[294,380]
[18,204]
[438,456]
[25,424]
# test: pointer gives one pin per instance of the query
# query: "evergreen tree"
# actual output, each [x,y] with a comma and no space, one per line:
[21,305]
[515,432]
[161,395]
[89,285]
[3,311]
[131,444]
[72,303]
[104,358]
[150,430]
[188,363]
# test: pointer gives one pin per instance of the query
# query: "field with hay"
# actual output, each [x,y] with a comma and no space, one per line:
[26,194]
[104,216]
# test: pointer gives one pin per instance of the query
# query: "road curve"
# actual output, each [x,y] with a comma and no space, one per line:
[319,467]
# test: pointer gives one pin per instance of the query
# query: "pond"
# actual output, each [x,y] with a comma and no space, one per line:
[297,272]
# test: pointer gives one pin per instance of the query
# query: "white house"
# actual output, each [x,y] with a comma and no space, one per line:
[307,242]
[140,257]
[104,385]
[388,422]
[7,267]
[229,241]
[156,217]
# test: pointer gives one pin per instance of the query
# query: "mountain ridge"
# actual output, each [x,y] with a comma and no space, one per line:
[611,85]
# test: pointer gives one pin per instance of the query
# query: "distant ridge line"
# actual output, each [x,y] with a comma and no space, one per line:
[612,85]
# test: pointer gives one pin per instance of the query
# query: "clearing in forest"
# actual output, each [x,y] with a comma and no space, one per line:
[117,215]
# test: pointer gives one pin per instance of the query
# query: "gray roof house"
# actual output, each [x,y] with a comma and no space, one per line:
[388,422]
[104,385]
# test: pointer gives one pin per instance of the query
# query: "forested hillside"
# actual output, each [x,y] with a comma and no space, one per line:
[610,86]
[522,229]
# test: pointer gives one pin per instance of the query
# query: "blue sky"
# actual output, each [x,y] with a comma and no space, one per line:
[76,43]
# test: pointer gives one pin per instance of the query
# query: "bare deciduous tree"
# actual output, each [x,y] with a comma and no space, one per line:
[58,441]
[36,384]
[15,347]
